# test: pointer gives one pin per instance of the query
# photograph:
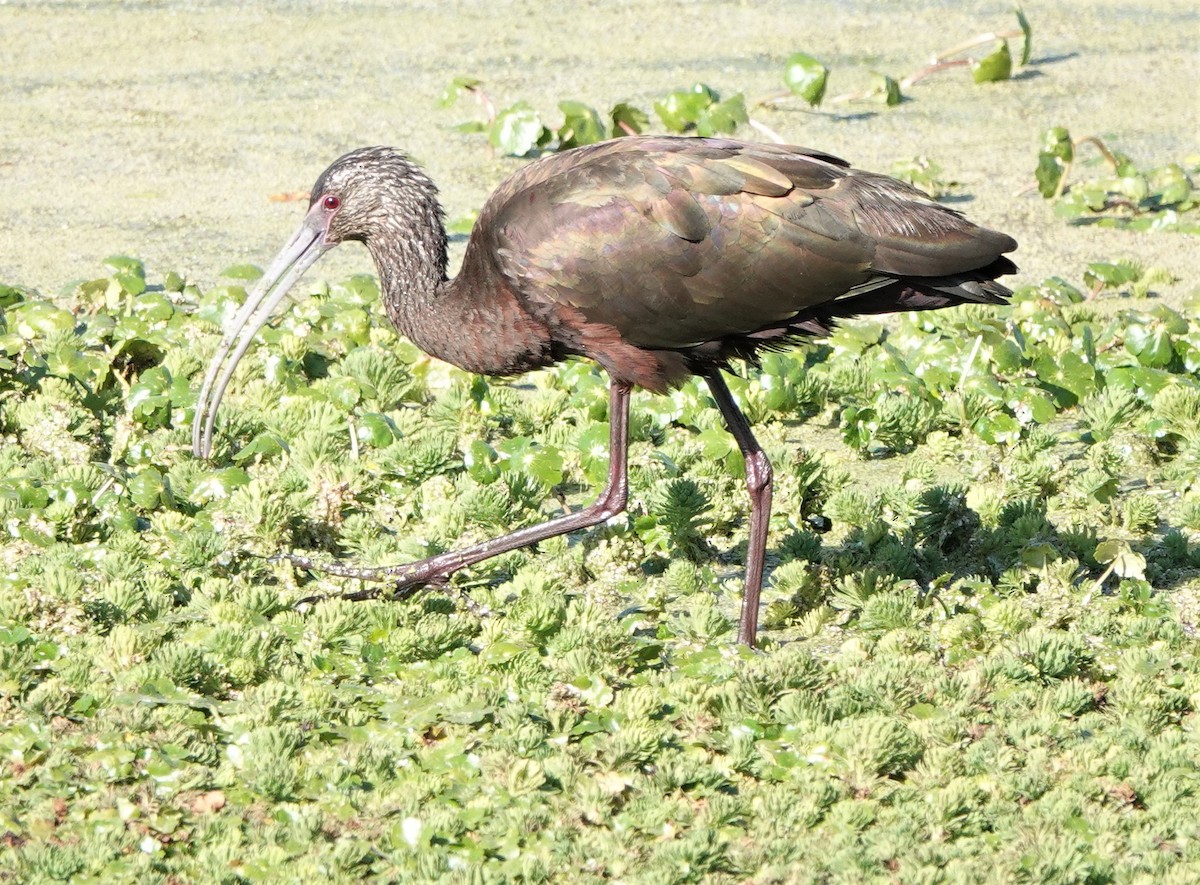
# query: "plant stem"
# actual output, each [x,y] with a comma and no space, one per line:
[1062,180]
[768,100]
[932,69]
[976,41]
[1094,141]
[966,369]
[763,129]
[1099,145]
[1099,585]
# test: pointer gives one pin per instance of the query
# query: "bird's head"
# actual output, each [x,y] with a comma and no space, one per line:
[367,195]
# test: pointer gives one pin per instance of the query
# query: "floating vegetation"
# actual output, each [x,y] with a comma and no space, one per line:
[1129,198]
[979,656]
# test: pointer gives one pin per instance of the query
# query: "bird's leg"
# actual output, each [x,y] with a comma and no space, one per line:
[611,502]
[758,482]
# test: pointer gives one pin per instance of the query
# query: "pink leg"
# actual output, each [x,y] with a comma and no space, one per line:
[758,483]
[437,568]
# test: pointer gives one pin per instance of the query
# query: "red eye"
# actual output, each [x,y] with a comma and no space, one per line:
[331,202]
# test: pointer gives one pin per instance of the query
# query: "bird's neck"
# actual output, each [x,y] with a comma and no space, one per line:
[412,273]
[473,321]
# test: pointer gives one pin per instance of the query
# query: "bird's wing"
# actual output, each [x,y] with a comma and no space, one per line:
[679,241]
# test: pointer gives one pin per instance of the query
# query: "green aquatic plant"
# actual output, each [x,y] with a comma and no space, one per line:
[997,64]
[977,658]
[807,78]
[1128,197]
[518,130]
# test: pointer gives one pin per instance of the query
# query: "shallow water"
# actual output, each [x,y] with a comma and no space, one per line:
[162,129]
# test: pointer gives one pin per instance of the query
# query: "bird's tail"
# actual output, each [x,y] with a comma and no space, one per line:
[912,293]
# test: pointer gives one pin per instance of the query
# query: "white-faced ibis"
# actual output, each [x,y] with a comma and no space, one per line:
[657,257]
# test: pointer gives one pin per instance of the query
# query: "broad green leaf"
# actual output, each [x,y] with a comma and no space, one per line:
[1151,344]
[926,711]
[219,484]
[120,519]
[130,283]
[351,326]
[38,319]
[1172,185]
[148,399]
[1038,555]
[146,488]
[124,265]
[1135,188]
[361,289]
[581,125]
[1066,376]
[456,87]
[246,272]
[11,295]
[593,449]
[628,120]
[1030,405]
[1027,36]
[806,77]
[717,444]
[998,429]
[376,429]
[517,130]
[501,652]
[1049,174]
[1006,354]
[481,462]
[1110,276]
[1171,319]
[343,392]
[681,110]
[153,307]
[16,635]
[993,67]
[28,493]
[723,117]
[265,445]
[1074,205]
[1142,380]
[545,464]
[858,427]
[1057,141]
[886,89]
[1125,562]
[1054,289]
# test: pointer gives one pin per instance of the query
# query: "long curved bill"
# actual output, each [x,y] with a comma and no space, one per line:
[301,252]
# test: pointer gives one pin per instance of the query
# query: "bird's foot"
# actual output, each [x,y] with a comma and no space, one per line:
[402,574]
[405,580]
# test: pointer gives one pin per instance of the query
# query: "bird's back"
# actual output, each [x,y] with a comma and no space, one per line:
[713,247]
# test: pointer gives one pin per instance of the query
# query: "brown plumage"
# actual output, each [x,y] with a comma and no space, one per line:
[657,257]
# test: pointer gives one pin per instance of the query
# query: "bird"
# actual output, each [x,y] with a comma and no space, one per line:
[658,257]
